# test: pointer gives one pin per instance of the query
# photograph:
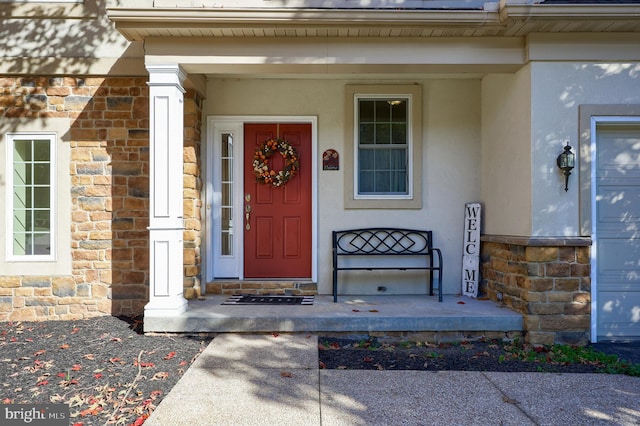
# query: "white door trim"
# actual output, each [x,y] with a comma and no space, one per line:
[595,120]
[215,125]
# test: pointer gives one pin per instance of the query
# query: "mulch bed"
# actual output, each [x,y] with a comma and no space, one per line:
[104,368]
[371,354]
[108,372]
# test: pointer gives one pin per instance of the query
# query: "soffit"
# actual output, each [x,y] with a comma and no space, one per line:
[510,20]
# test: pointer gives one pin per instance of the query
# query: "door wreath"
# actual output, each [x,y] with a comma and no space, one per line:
[261,162]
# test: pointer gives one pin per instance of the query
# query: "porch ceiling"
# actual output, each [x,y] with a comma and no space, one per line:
[510,20]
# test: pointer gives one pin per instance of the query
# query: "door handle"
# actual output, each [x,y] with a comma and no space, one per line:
[247,210]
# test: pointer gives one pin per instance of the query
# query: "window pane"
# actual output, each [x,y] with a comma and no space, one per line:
[398,181]
[226,219]
[382,159]
[22,150]
[22,221]
[382,182]
[41,150]
[366,111]
[22,197]
[399,133]
[41,174]
[366,159]
[398,158]
[42,244]
[383,111]
[20,243]
[383,133]
[366,182]
[41,220]
[22,174]
[367,134]
[399,112]
[41,197]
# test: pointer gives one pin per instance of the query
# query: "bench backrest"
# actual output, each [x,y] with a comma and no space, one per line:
[381,241]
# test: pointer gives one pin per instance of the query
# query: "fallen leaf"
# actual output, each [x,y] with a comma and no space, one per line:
[509,400]
[40,352]
[373,310]
[64,346]
[160,375]
[75,330]
[76,367]
[367,359]
[90,357]
[98,375]
[355,310]
[169,355]
[285,374]
[140,420]
[462,303]
[322,365]
[42,383]
[75,401]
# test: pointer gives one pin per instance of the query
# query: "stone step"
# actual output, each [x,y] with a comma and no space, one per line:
[456,318]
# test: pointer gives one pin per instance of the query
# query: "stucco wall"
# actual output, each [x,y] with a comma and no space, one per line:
[451,153]
[65,38]
[560,89]
[506,154]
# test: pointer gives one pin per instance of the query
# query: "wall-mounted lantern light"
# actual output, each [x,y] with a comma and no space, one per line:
[566,162]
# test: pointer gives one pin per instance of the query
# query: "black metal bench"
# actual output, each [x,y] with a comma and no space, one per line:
[379,242]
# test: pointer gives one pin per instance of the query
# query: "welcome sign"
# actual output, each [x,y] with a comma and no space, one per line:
[471,249]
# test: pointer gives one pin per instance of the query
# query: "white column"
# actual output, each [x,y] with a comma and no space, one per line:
[166,225]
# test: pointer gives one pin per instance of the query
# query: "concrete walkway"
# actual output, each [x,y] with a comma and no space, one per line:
[275,380]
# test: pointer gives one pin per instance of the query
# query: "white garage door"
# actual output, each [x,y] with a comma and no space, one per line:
[617,219]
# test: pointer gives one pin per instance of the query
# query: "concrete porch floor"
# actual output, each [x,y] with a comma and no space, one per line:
[352,314]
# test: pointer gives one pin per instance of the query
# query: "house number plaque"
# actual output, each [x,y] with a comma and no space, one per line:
[331,160]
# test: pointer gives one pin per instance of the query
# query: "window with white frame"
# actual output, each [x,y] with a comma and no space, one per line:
[384,138]
[30,198]
[383,146]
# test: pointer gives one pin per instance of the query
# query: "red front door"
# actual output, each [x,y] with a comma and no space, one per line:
[277,220]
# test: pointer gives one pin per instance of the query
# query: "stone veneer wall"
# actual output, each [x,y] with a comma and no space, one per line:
[547,280]
[192,191]
[109,172]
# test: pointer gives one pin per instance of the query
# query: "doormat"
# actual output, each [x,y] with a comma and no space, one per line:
[249,299]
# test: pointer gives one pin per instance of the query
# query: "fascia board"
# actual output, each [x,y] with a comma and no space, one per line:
[569,11]
[297,17]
